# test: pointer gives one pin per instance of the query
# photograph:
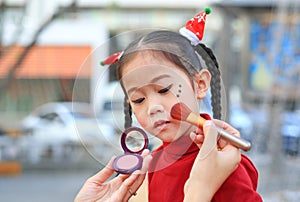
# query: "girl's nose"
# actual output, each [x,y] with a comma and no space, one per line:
[155,109]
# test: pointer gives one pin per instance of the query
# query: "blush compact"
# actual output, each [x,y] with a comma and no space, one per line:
[133,141]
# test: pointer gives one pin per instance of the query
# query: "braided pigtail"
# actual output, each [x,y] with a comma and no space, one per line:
[213,67]
[127,113]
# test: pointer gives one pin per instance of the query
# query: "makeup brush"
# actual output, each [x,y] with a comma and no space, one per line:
[181,112]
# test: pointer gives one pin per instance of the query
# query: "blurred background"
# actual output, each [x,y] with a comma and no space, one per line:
[47,97]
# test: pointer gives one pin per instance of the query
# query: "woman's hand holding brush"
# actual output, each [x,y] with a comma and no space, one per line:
[213,163]
[198,135]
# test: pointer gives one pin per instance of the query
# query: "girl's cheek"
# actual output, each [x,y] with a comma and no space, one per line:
[141,118]
[144,125]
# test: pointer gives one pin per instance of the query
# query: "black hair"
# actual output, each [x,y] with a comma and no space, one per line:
[177,49]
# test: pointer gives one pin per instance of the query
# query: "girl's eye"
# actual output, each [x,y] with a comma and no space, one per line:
[165,90]
[140,100]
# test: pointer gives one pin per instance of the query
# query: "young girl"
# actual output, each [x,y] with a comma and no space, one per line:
[157,71]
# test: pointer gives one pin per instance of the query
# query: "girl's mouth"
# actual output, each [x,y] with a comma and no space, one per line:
[161,124]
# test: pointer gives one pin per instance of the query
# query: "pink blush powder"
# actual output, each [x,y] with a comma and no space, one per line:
[127,162]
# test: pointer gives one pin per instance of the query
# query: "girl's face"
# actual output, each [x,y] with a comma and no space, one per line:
[153,85]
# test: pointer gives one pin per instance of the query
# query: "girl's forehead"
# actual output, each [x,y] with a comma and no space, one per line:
[150,71]
[146,57]
[147,61]
[148,67]
[138,76]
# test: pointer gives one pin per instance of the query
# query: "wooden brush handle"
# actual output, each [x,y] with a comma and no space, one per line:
[195,119]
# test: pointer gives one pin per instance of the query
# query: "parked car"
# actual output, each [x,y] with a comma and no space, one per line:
[8,147]
[55,129]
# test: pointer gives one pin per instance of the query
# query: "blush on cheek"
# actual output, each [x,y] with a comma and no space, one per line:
[144,124]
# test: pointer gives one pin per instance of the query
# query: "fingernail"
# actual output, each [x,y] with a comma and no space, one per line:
[208,123]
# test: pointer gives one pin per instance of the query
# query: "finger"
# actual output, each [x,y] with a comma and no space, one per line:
[222,143]
[136,178]
[123,193]
[146,163]
[197,138]
[141,173]
[104,174]
[225,126]
[199,130]
[124,176]
[145,152]
[131,179]
[135,185]
[231,154]
[193,136]
[210,139]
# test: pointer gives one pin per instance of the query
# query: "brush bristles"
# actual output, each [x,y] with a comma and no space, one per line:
[180,111]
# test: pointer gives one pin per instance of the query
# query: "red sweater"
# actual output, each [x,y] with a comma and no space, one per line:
[171,166]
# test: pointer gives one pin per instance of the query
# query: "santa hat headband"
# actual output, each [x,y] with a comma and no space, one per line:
[193,30]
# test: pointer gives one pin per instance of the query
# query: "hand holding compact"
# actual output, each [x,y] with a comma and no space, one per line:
[120,188]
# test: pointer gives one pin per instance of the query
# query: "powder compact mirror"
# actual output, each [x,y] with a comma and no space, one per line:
[133,141]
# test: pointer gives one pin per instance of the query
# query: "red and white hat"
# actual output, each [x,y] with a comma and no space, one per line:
[194,28]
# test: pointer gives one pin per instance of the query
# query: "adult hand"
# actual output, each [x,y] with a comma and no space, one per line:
[198,135]
[120,188]
[216,160]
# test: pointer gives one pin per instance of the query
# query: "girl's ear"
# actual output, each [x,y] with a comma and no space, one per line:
[202,80]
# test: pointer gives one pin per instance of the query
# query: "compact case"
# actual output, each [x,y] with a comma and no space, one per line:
[133,141]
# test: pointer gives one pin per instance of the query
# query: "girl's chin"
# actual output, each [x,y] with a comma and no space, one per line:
[166,136]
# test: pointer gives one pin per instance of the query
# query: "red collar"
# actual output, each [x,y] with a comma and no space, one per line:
[184,145]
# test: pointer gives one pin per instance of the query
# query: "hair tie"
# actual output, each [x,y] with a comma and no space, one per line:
[112,59]
[194,28]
